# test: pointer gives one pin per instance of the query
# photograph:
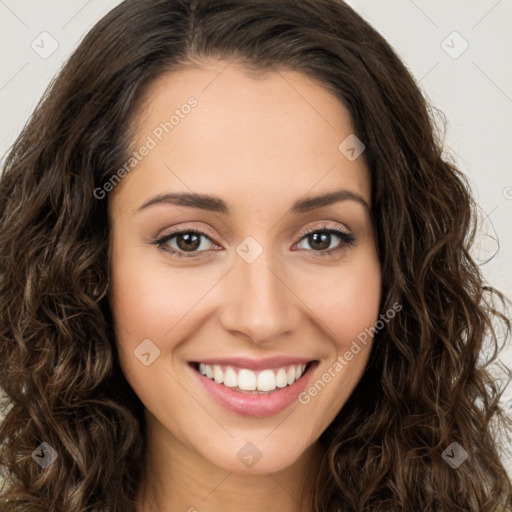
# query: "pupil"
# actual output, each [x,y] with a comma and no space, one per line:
[323,239]
[189,244]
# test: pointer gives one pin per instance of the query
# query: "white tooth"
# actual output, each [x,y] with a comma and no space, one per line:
[209,372]
[302,368]
[218,374]
[230,378]
[281,380]
[290,375]
[266,381]
[298,372]
[247,380]
[202,368]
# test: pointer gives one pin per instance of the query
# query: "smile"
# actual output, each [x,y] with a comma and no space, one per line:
[254,388]
[243,379]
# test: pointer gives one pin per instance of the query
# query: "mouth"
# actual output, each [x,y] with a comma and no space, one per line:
[254,388]
[245,380]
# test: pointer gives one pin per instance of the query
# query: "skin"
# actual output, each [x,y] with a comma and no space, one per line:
[259,144]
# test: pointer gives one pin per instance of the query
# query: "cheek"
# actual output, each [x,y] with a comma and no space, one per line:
[346,300]
[143,308]
[143,304]
[151,300]
[147,297]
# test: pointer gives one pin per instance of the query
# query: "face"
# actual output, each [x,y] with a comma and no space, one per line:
[234,313]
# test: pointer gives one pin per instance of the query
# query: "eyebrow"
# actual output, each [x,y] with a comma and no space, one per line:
[216,204]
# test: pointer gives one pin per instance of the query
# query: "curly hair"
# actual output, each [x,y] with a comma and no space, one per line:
[425,385]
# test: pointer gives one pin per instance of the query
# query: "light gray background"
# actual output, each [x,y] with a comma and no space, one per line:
[472,87]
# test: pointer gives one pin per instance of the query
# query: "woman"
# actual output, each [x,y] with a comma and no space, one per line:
[172,335]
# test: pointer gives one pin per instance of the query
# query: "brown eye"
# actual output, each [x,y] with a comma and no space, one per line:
[181,242]
[188,241]
[319,240]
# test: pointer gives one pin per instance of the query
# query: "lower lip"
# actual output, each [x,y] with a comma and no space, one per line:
[255,404]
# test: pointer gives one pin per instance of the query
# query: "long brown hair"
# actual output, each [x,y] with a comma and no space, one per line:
[424,387]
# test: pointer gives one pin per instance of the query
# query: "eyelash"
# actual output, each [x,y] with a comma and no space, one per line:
[347,240]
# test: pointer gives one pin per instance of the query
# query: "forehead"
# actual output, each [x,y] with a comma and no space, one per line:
[278,134]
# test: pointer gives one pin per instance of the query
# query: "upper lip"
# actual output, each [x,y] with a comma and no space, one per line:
[255,364]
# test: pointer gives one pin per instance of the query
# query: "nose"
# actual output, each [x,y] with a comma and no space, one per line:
[258,302]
